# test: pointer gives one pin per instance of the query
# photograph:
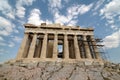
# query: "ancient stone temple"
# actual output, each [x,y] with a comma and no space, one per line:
[55,42]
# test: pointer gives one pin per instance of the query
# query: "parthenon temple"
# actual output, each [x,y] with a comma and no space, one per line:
[55,42]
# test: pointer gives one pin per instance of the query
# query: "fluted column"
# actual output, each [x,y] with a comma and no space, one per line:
[97,54]
[55,51]
[44,47]
[77,51]
[66,48]
[23,45]
[38,49]
[32,46]
[87,47]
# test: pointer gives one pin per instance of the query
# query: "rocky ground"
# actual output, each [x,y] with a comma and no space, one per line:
[58,71]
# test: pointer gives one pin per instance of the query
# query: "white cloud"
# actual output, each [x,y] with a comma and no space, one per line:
[111,21]
[24,2]
[55,3]
[72,23]
[112,41]
[79,9]
[72,14]
[6,9]
[35,17]
[2,51]
[17,39]
[111,11]
[111,8]
[6,27]
[11,44]
[2,44]
[20,10]
[114,27]
[1,38]
[11,15]
[4,5]
[16,31]
[98,4]
[61,18]
[84,8]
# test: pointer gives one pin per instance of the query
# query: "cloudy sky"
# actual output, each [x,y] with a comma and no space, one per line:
[102,15]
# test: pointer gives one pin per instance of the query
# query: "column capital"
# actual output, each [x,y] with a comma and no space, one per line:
[26,32]
[45,33]
[65,34]
[34,33]
[84,37]
[92,37]
[75,35]
[55,33]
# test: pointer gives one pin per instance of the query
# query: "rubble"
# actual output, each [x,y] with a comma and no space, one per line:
[59,71]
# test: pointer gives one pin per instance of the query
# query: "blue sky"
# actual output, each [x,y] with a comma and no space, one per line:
[102,15]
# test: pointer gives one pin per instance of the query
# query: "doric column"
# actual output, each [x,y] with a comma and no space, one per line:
[87,47]
[27,48]
[38,49]
[77,51]
[22,47]
[32,46]
[66,48]
[96,51]
[44,47]
[55,51]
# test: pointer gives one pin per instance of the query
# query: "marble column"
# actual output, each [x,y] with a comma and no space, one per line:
[32,46]
[66,48]
[77,51]
[55,46]
[87,47]
[96,51]
[38,49]
[23,45]
[27,48]
[44,47]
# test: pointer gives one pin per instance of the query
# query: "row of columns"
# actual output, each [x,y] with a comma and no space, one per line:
[55,49]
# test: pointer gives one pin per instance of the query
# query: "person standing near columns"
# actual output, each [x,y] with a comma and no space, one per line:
[44,46]
[66,48]
[77,51]
[55,51]
[87,47]
[32,46]
[23,45]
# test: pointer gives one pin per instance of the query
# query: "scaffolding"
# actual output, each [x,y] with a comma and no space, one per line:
[103,52]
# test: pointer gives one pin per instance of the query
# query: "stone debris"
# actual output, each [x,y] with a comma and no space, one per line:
[59,71]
